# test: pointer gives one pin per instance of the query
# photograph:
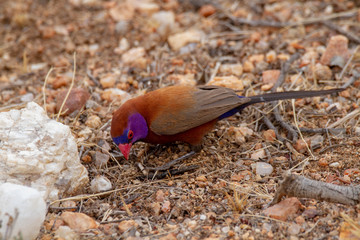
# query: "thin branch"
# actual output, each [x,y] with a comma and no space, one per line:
[301,187]
[338,29]
[284,70]
[264,23]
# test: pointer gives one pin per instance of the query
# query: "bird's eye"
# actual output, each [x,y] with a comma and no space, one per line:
[130,134]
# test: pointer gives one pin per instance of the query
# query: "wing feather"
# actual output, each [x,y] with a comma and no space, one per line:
[207,104]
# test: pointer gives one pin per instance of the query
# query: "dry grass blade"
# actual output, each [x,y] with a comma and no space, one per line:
[44,86]
[237,203]
[297,127]
[348,117]
[70,88]
[355,227]
[125,205]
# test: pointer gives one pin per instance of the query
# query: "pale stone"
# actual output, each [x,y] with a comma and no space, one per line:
[238,134]
[115,94]
[166,206]
[122,47]
[93,121]
[145,7]
[232,82]
[126,224]
[258,154]
[233,69]
[133,55]
[270,76]
[165,22]
[283,209]
[66,233]
[24,207]
[336,48]
[79,222]
[321,72]
[180,79]
[108,81]
[179,40]
[100,184]
[264,169]
[39,152]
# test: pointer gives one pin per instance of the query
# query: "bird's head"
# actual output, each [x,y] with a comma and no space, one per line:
[126,129]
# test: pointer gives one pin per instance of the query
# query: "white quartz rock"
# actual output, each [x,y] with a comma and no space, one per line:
[100,184]
[39,152]
[22,211]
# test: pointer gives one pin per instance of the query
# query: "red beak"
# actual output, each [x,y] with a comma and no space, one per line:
[125,149]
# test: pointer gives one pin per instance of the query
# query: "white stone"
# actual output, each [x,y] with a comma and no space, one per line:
[334,164]
[258,154]
[66,233]
[263,169]
[100,184]
[101,159]
[25,207]
[316,140]
[28,97]
[37,66]
[165,21]
[225,229]
[178,40]
[123,46]
[39,152]
[133,54]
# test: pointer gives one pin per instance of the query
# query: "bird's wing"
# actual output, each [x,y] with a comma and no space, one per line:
[206,104]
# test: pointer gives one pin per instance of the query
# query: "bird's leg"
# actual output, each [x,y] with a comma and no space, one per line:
[155,149]
[196,148]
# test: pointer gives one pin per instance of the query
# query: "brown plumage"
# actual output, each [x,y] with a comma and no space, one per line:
[183,113]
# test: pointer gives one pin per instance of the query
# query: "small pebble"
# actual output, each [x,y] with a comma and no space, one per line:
[28,97]
[322,72]
[108,81]
[294,229]
[75,101]
[101,159]
[334,164]
[267,87]
[93,121]
[166,207]
[181,39]
[337,47]
[270,135]
[126,225]
[232,82]
[259,154]
[79,222]
[264,169]
[271,56]
[207,10]
[225,229]
[160,196]
[270,76]
[100,184]
[323,162]
[248,67]
[232,69]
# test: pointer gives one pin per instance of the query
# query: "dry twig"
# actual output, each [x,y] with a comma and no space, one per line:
[301,187]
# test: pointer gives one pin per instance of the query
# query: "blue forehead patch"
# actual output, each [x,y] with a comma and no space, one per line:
[121,139]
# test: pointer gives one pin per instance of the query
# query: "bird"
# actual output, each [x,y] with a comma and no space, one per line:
[184,113]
